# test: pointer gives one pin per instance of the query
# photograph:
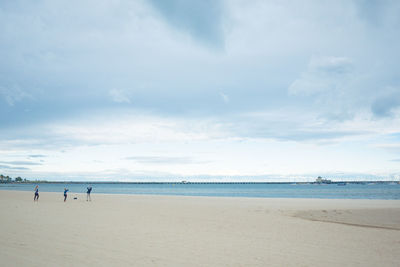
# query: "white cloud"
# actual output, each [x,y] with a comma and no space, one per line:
[13,95]
[119,96]
[128,127]
[323,74]
[387,103]
[224,97]
[390,147]
[330,65]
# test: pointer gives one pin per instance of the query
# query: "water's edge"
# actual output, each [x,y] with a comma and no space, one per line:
[252,190]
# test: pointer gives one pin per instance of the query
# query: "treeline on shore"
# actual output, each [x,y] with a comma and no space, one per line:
[7,179]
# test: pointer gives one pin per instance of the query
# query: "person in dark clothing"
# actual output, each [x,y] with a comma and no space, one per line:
[89,190]
[36,198]
[65,194]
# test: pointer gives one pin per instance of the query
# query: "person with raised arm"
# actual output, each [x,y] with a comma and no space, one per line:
[36,197]
[65,194]
[89,190]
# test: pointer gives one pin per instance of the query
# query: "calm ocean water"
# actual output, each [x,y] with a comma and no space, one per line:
[333,191]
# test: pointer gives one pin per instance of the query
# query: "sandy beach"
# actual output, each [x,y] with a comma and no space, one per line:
[143,230]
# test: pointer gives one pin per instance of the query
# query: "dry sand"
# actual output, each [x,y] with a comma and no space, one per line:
[131,230]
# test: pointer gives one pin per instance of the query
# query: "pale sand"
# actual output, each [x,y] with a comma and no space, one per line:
[131,230]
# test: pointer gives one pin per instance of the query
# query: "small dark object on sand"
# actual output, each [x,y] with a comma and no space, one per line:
[75,198]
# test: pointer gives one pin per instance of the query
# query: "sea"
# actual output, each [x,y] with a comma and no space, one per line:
[253,190]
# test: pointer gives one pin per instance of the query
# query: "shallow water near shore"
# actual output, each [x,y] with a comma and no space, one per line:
[260,190]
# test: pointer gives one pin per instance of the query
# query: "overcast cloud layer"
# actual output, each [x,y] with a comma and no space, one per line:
[201,90]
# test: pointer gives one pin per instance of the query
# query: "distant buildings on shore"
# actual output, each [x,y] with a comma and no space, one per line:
[321,180]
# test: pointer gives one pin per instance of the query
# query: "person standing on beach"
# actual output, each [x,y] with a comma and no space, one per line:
[65,194]
[36,198]
[88,198]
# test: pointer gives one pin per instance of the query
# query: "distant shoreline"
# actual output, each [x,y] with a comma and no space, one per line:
[115,182]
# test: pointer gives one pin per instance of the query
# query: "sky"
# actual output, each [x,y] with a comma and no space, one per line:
[200,90]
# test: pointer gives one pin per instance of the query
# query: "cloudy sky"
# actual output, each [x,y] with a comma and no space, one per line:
[200,90]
